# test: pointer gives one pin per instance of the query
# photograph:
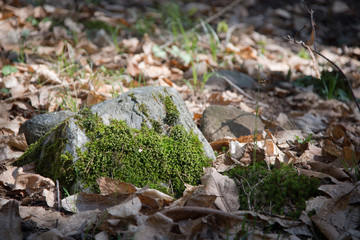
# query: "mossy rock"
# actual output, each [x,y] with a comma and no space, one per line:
[162,154]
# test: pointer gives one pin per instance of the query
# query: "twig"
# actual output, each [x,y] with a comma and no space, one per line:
[208,20]
[313,32]
[58,194]
[336,66]
[313,50]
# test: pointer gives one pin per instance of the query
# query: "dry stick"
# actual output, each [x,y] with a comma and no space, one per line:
[58,194]
[208,20]
[313,32]
[336,66]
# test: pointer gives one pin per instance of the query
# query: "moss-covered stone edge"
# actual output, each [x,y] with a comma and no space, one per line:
[45,153]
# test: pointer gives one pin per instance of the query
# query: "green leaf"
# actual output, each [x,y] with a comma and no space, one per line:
[4,90]
[158,52]
[222,27]
[176,52]
[8,69]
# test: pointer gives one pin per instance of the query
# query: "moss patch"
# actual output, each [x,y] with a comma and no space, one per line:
[142,157]
[46,152]
[172,113]
[280,191]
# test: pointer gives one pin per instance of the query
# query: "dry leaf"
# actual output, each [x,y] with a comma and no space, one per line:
[157,226]
[109,186]
[45,75]
[82,202]
[10,220]
[125,209]
[34,183]
[223,188]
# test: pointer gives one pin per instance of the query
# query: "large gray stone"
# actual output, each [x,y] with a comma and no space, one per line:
[129,108]
[219,122]
[138,107]
[39,125]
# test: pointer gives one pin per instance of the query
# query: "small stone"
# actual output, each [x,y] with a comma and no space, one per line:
[225,121]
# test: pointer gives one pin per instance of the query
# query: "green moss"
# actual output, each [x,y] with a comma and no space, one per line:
[172,113]
[46,152]
[31,154]
[156,126]
[132,96]
[142,157]
[280,191]
[144,110]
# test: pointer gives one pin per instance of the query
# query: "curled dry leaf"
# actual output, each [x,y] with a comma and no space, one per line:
[45,75]
[35,183]
[223,188]
[195,196]
[130,207]
[330,170]
[151,198]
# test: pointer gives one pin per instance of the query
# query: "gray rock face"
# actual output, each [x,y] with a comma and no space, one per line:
[39,125]
[218,122]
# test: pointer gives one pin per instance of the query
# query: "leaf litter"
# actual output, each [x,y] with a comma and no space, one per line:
[52,61]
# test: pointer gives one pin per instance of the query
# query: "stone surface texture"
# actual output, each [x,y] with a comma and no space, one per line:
[219,122]
[39,125]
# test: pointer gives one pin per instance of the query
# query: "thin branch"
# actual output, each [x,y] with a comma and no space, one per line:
[332,63]
[313,32]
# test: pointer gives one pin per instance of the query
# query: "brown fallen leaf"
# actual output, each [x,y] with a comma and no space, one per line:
[110,185]
[10,220]
[223,187]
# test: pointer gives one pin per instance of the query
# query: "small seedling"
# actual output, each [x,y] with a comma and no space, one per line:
[222,27]
[303,54]
[306,140]
[328,86]
[8,69]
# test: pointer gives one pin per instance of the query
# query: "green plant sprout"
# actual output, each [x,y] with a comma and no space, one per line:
[303,54]
[8,69]
[256,115]
[306,140]
[222,27]
[262,43]
[213,39]
[23,37]
[328,86]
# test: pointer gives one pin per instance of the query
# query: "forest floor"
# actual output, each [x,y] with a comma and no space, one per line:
[74,54]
